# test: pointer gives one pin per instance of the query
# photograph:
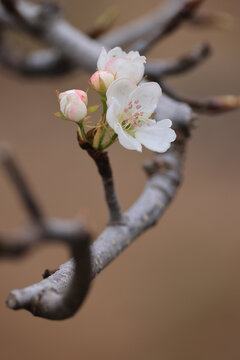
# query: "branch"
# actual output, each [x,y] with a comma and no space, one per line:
[49,304]
[159,69]
[164,174]
[60,294]
[49,62]
[171,23]
[104,168]
[156,19]
[63,302]
[16,176]
[213,19]
[211,105]
[54,32]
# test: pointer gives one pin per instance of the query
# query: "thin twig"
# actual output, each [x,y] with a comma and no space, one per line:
[213,19]
[63,303]
[212,105]
[18,179]
[49,304]
[168,26]
[49,62]
[159,69]
[104,22]
[104,168]
[156,19]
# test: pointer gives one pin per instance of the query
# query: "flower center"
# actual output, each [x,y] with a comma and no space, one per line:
[133,116]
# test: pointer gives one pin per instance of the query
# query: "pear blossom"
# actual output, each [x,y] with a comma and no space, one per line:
[73,104]
[121,64]
[101,80]
[129,114]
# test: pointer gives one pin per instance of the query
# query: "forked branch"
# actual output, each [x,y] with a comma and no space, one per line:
[59,295]
[50,304]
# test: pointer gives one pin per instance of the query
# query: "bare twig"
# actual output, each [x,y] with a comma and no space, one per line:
[159,69]
[54,32]
[104,168]
[214,19]
[144,25]
[103,23]
[166,27]
[16,176]
[213,105]
[62,303]
[49,304]
[49,62]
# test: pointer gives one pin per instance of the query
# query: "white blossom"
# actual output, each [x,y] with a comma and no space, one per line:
[121,64]
[129,110]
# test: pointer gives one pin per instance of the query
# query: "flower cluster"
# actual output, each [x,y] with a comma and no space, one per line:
[128,106]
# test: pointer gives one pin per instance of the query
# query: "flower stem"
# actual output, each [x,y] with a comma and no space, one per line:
[104,103]
[102,136]
[109,142]
[104,168]
[82,131]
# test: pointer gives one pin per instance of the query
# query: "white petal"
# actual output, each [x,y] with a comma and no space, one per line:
[63,103]
[156,137]
[120,90]
[112,114]
[148,96]
[134,55]
[102,60]
[127,140]
[140,66]
[76,110]
[164,123]
[117,51]
[122,67]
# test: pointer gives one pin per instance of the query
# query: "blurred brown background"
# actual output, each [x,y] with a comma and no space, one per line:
[175,293]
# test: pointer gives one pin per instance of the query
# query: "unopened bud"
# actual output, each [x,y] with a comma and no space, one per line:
[101,80]
[73,104]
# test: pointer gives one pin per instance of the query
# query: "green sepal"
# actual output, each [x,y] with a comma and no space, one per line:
[61,116]
[93,108]
[82,131]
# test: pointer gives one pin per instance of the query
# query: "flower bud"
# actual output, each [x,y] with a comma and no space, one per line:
[73,104]
[101,80]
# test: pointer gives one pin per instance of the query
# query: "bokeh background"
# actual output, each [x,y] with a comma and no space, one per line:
[175,293]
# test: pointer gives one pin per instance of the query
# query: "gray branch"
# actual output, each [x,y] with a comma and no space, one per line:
[144,25]
[159,69]
[62,302]
[59,295]
[75,48]
[18,179]
[183,12]
[212,105]
[164,173]
[50,303]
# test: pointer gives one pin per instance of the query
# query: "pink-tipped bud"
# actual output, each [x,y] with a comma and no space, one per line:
[73,104]
[101,80]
